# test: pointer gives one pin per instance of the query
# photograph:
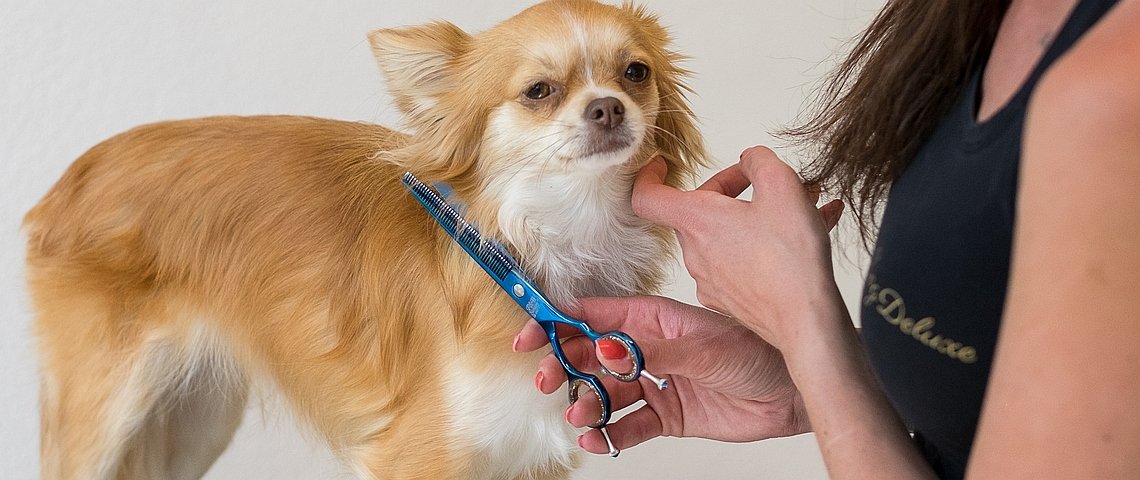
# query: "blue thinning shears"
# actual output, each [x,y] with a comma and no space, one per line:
[506,271]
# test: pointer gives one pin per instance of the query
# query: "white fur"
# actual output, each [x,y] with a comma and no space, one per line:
[500,414]
[583,44]
[178,397]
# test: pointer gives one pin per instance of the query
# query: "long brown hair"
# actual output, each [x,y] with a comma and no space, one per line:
[882,102]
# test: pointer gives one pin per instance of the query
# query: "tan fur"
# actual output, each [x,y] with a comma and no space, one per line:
[175,263]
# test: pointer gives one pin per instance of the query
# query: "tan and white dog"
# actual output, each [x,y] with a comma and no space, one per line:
[177,264]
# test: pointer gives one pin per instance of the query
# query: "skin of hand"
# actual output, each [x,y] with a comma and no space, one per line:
[726,383]
[760,261]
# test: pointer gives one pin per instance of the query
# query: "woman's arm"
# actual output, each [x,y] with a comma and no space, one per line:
[859,433]
[767,263]
[1064,396]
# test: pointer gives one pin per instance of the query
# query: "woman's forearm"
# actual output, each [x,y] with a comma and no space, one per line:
[859,433]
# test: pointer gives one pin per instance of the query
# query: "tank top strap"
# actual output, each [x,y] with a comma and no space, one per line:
[1081,19]
[1084,15]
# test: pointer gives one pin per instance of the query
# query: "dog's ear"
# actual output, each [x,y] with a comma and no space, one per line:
[418,62]
[677,137]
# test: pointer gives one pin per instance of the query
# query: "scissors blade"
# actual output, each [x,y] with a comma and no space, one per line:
[488,253]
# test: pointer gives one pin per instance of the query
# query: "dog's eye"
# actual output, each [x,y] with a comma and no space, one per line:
[538,91]
[637,72]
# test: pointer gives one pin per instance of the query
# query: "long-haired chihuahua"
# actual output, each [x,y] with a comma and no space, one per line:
[177,264]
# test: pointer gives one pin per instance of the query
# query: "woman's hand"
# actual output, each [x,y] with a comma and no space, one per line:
[761,261]
[766,262]
[725,382]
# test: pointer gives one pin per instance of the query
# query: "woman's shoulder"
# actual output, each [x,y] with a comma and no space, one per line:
[1094,87]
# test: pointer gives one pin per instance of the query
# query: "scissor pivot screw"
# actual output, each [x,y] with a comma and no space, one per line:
[519,290]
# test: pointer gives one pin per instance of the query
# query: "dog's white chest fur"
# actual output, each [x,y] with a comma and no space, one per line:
[578,233]
[515,430]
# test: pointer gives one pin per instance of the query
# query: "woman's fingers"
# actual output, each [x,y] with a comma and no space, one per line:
[532,336]
[550,376]
[831,212]
[729,182]
[772,178]
[579,351]
[587,410]
[655,201]
[777,183]
[602,313]
[637,427]
[606,314]
[662,357]
[659,203]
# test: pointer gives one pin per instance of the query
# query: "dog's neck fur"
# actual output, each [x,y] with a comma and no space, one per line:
[576,233]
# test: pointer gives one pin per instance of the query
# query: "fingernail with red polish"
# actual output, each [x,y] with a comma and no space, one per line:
[611,349]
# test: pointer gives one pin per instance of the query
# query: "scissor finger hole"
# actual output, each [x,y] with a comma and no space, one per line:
[628,374]
[576,393]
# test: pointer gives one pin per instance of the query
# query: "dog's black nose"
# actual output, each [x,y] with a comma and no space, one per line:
[605,112]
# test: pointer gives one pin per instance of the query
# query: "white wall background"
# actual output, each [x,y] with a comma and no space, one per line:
[73,73]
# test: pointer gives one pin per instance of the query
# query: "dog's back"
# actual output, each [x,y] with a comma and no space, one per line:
[176,260]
